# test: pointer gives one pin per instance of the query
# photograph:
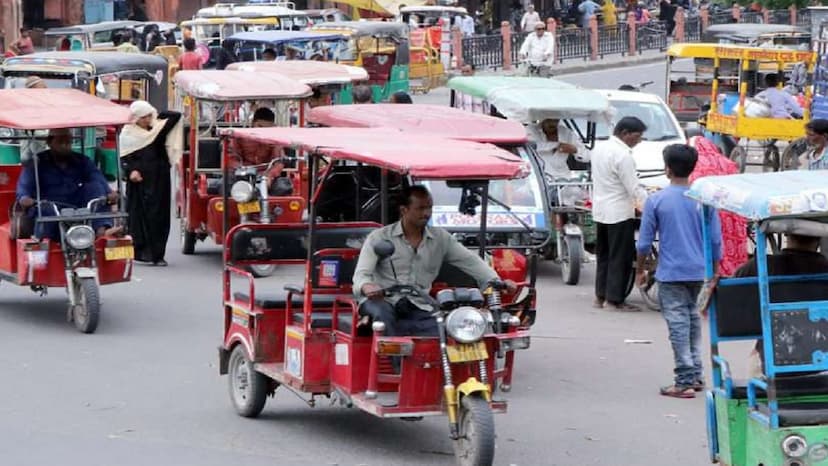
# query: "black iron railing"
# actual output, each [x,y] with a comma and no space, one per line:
[780,17]
[652,36]
[483,51]
[803,18]
[692,29]
[753,17]
[517,42]
[573,43]
[613,39]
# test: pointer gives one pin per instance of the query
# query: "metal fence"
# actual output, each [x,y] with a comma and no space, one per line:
[517,41]
[483,51]
[573,43]
[780,17]
[653,36]
[693,29]
[613,39]
[803,18]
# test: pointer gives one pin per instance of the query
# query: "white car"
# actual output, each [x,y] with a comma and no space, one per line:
[663,129]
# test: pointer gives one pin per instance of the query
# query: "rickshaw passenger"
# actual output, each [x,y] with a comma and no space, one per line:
[420,251]
[557,144]
[782,104]
[66,177]
[253,153]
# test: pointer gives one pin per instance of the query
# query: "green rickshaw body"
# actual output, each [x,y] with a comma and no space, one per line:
[119,77]
[382,48]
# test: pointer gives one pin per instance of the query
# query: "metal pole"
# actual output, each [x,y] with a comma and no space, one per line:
[484,210]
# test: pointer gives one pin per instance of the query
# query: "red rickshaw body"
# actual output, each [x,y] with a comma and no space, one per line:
[40,262]
[199,173]
[311,338]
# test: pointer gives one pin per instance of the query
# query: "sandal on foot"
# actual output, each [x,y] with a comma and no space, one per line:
[623,307]
[598,303]
[678,391]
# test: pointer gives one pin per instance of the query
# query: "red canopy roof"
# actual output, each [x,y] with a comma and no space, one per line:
[312,73]
[419,155]
[57,108]
[228,86]
[431,119]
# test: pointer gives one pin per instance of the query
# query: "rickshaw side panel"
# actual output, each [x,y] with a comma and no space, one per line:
[731,418]
[40,262]
[763,445]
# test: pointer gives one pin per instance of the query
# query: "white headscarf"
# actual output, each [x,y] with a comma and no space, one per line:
[142,108]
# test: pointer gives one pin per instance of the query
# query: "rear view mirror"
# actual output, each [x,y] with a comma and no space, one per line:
[384,249]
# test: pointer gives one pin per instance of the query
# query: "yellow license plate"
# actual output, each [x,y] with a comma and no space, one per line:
[119,253]
[249,207]
[465,352]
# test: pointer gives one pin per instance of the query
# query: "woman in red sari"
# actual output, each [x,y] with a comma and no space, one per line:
[734,228]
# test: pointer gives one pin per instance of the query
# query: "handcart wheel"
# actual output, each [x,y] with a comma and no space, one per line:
[571,260]
[649,292]
[476,440]
[87,312]
[739,155]
[248,388]
[791,154]
[261,270]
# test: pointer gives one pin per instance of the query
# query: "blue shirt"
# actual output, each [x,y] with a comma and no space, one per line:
[677,221]
[75,184]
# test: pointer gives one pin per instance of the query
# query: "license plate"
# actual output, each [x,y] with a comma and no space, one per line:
[465,352]
[249,207]
[119,253]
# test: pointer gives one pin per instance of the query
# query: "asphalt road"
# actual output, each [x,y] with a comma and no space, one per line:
[145,388]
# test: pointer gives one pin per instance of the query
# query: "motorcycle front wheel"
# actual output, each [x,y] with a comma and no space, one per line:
[476,442]
[86,313]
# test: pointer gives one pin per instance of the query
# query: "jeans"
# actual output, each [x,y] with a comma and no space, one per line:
[678,306]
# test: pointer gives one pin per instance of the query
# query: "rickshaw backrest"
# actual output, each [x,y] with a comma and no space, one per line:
[738,311]
[379,67]
[334,268]
[209,153]
[289,242]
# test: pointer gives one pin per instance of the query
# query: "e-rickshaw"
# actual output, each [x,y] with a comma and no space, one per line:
[780,416]
[119,77]
[285,14]
[88,36]
[76,260]
[331,83]
[518,213]
[381,48]
[211,32]
[210,101]
[306,45]
[311,339]
[532,100]
[736,73]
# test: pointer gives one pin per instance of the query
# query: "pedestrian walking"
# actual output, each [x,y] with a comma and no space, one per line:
[587,9]
[667,13]
[615,193]
[146,147]
[676,220]
[530,19]
[190,59]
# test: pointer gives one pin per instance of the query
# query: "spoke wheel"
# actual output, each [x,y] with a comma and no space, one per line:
[649,292]
[739,155]
[771,161]
[792,152]
[476,442]
[248,388]
[88,310]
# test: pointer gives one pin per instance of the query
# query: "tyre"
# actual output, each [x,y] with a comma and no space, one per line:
[476,441]
[88,310]
[739,155]
[771,160]
[630,283]
[260,271]
[248,388]
[791,154]
[571,259]
[649,294]
[188,239]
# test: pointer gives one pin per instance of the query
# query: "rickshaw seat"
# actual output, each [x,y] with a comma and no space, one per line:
[214,186]
[209,153]
[737,307]
[800,413]
[789,385]
[278,300]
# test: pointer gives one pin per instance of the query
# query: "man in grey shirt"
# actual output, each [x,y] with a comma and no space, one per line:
[420,251]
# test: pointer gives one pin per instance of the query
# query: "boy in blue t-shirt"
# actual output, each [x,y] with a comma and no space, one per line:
[680,273]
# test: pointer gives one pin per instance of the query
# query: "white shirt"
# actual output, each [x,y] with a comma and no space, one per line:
[467,25]
[614,183]
[529,20]
[539,49]
[554,162]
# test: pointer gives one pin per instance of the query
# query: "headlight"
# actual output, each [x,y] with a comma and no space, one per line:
[466,324]
[80,236]
[242,191]
[794,446]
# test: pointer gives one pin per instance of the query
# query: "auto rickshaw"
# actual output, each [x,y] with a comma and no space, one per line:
[780,416]
[88,36]
[311,340]
[76,260]
[518,213]
[212,100]
[306,45]
[119,77]
[758,35]
[331,82]
[529,101]
[381,48]
[211,32]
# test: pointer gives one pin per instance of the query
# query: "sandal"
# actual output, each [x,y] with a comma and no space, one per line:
[698,386]
[598,303]
[678,391]
[623,307]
